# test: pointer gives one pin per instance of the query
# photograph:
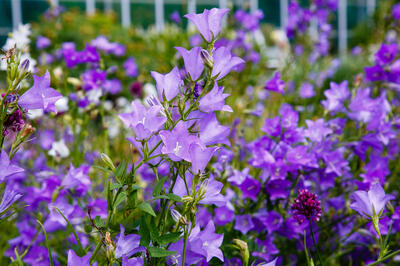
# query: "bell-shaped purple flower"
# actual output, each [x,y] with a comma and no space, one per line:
[200,156]
[74,259]
[372,202]
[193,62]
[209,22]
[168,84]
[127,245]
[9,197]
[144,121]
[275,84]
[214,100]
[177,142]
[209,243]
[7,168]
[386,53]
[224,62]
[40,96]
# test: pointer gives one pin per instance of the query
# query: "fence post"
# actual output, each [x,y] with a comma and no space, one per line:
[16,13]
[191,8]
[253,6]
[54,3]
[283,13]
[159,6]
[107,5]
[342,27]
[371,4]
[126,13]
[90,7]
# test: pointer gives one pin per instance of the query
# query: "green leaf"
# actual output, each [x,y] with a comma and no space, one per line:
[144,233]
[146,207]
[174,197]
[115,186]
[157,252]
[158,187]
[168,238]
[98,221]
[121,170]
[121,197]
[69,226]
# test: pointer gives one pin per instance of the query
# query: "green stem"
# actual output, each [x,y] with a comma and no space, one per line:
[47,244]
[315,242]
[184,246]
[385,258]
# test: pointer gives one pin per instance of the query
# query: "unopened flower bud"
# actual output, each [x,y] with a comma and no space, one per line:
[178,218]
[28,130]
[107,160]
[187,199]
[24,66]
[207,58]
[243,249]
[203,187]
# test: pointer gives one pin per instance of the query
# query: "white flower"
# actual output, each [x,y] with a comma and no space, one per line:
[62,104]
[58,148]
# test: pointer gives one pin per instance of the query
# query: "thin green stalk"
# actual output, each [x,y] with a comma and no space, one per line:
[184,247]
[315,242]
[385,258]
[47,243]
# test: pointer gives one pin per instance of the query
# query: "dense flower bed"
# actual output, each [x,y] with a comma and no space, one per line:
[229,143]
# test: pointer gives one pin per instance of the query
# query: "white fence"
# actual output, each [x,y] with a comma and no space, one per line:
[191,7]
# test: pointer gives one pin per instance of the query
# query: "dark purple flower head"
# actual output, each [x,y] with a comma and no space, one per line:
[306,206]
[13,123]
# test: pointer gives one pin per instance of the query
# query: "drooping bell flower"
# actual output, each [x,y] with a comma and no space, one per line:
[193,62]
[7,168]
[9,197]
[168,84]
[40,96]
[214,100]
[370,203]
[127,245]
[224,62]
[209,22]
[200,156]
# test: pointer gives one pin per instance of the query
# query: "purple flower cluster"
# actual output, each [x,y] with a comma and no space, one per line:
[306,206]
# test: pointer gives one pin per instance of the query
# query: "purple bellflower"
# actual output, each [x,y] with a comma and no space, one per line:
[193,62]
[224,62]
[9,197]
[386,53]
[74,259]
[144,121]
[396,11]
[7,168]
[275,84]
[209,22]
[131,68]
[214,100]
[40,96]
[370,203]
[168,84]
[127,245]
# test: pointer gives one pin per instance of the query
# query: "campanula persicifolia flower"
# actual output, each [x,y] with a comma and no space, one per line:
[306,206]
[372,202]
[208,23]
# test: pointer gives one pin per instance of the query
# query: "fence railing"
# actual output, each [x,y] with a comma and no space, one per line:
[16,11]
